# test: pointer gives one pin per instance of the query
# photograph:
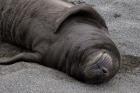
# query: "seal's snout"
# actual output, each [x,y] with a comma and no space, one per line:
[99,68]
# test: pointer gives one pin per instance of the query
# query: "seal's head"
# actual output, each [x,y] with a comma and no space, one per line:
[99,67]
[84,50]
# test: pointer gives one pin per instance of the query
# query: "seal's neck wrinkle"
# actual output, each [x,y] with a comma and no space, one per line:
[81,24]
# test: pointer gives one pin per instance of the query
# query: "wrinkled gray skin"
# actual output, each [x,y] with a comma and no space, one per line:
[81,48]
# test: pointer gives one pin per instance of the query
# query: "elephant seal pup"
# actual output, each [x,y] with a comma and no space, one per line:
[73,39]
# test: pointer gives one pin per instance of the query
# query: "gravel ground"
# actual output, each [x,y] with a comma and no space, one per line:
[123,19]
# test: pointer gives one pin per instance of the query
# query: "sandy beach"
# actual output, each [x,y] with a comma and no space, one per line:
[123,20]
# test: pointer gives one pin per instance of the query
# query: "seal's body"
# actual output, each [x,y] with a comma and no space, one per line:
[73,39]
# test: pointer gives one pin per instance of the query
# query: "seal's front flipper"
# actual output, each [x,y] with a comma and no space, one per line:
[25,56]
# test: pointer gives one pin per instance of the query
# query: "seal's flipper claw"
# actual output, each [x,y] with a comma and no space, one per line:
[25,56]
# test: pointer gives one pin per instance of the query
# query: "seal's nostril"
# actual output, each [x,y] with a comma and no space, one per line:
[104,70]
